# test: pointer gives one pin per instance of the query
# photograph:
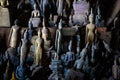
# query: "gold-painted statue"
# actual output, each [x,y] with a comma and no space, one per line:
[46,35]
[38,49]
[90,30]
[14,35]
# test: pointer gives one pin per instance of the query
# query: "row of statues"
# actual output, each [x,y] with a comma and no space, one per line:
[74,12]
[32,54]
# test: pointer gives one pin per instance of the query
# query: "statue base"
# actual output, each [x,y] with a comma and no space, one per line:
[4,17]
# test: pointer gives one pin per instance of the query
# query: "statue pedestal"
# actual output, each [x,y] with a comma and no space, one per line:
[36,22]
[4,17]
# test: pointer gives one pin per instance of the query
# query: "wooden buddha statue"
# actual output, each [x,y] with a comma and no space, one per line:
[35,12]
[13,38]
[35,16]
[46,35]
[39,49]
[24,48]
[90,30]
[58,38]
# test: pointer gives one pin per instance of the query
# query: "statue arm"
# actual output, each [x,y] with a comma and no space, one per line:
[10,34]
[32,14]
[95,34]
[56,38]
[38,13]
[86,34]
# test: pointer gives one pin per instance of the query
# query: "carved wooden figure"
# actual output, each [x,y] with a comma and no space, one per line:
[39,49]
[35,17]
[91,30]
[58,38]
[46,35]
[13,38]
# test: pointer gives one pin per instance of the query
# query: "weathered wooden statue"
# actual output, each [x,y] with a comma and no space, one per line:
[90,30]
[35,12]
[14,35]
[58,38]
[21,71]
[79,63]
[39,47]
[70,56]
[98,21]
[46,35]
[35,16]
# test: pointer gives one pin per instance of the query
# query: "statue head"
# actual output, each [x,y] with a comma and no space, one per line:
[99,13]
[16,22]
[60,24]
[35,6]
[91,16]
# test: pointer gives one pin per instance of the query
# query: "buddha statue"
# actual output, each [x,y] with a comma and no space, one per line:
[58,38]
[24,48]
[39,46]
[98,21]
[35,16]
[35,12]
[70,56]
[46,35]
[14,34]
[91,30]
[21,70]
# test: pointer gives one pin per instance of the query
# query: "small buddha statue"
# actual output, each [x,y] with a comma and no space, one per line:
[35,12]
[90,30]
[46,35]
[21,70]
[24,48]
[70,56]
[35,17]
[39,46]
[98,21]
[58,38]
[14,34]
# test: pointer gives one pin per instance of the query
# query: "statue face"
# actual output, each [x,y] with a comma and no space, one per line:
[90,19]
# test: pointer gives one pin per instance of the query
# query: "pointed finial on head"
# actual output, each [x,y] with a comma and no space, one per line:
[98,10]
[60,24]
